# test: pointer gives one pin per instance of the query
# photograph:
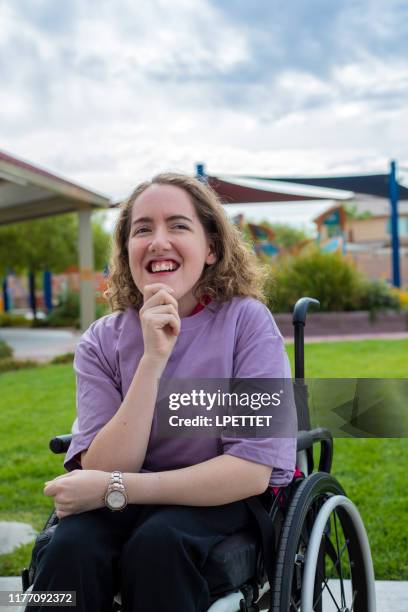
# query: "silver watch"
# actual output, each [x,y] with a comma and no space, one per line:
[116,497]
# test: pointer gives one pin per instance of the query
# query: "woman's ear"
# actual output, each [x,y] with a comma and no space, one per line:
[211,256]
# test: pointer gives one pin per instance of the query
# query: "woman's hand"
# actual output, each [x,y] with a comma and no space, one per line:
[78,491]
[160,322]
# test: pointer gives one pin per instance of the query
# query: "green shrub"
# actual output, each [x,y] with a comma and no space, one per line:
[9,364]
[5,350]
[378,296]
[64,358]
[39,323]
[9,320]
[66,314]
[328,277]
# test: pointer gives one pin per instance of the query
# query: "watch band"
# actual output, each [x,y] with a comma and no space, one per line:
[116,482]
[116,485]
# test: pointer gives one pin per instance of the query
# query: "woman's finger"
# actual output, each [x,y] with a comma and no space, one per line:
[160,297]
[163,309]
[50,489]
[61,513]
[162,320]
[150,290]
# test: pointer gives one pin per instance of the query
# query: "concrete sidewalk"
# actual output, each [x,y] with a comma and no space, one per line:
[391,596]
[43,344]
[40,344]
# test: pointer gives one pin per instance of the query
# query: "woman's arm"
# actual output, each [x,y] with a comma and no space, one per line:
[121,444]
[221,480]
[218,481]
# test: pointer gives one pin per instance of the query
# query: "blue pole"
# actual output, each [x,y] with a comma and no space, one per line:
[31,296]
[200,172]
[396,279]
[6,295]
[47,290]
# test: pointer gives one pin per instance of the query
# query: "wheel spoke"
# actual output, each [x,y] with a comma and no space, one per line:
[352,601]
[343,597]
[326,586]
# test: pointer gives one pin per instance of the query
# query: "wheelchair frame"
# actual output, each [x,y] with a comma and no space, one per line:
[291,565]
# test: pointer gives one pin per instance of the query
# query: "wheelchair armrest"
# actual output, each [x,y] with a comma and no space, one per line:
[60,444]
[306,439]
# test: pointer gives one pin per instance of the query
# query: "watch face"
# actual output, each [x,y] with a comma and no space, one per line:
[116,500]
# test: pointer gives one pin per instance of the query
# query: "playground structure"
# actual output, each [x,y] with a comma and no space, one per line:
[18,291]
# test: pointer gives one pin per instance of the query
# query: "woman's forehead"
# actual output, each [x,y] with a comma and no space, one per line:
[158,200]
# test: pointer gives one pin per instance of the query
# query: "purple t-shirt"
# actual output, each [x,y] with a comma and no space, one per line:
[234,339]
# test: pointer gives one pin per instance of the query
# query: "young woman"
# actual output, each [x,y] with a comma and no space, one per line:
[187,304]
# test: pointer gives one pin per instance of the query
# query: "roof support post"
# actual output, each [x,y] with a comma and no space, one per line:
[86,269]
[396,280]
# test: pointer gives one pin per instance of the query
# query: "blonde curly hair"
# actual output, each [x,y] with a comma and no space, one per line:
[237,271]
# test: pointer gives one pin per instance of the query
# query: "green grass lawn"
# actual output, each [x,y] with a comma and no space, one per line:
[37,404]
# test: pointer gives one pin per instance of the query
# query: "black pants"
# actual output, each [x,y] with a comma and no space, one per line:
[153,554]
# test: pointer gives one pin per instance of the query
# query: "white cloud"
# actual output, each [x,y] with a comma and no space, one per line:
[108,97]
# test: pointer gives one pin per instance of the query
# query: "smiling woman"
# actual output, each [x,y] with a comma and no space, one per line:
[187,303]
[162,246]
[188,209]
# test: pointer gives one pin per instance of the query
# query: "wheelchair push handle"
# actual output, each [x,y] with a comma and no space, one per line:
[299,322]
[60,444]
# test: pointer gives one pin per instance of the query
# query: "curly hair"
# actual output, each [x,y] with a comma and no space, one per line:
[237,271]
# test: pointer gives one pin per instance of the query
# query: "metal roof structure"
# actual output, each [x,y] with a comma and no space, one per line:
[29,192]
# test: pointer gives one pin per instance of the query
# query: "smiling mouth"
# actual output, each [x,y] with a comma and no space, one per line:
[157,267]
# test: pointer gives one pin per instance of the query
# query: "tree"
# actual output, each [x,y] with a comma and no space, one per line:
[287,236]
[50,243]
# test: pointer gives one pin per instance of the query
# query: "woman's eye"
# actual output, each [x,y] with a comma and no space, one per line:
[140,230]
[180,226]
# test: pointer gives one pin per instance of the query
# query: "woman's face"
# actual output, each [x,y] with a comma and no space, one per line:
[167,243]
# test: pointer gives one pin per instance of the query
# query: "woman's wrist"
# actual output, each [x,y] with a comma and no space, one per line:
[141,488]
[152,365]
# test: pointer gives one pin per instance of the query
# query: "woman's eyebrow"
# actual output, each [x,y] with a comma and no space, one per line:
[170,218]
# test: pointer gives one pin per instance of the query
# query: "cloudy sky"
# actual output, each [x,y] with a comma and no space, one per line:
[108,92]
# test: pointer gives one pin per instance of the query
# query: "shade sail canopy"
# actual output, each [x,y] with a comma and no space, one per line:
[370,184]
[236,190]
[29,192]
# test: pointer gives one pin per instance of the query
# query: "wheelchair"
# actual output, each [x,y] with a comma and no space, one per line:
[307,549]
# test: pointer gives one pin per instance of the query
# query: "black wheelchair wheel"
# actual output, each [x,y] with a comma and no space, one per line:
[341,553]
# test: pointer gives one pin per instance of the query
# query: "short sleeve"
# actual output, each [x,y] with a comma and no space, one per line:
[260,353]
[98,391]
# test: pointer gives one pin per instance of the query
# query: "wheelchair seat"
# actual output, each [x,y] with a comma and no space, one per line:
[230,564]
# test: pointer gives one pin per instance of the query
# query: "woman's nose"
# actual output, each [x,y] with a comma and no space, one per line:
[159,241]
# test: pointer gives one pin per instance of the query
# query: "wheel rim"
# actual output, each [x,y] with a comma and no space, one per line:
[308,504]
[338,549]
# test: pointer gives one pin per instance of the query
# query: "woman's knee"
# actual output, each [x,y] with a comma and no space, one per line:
[77,538]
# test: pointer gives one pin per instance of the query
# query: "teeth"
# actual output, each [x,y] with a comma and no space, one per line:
[162,267]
